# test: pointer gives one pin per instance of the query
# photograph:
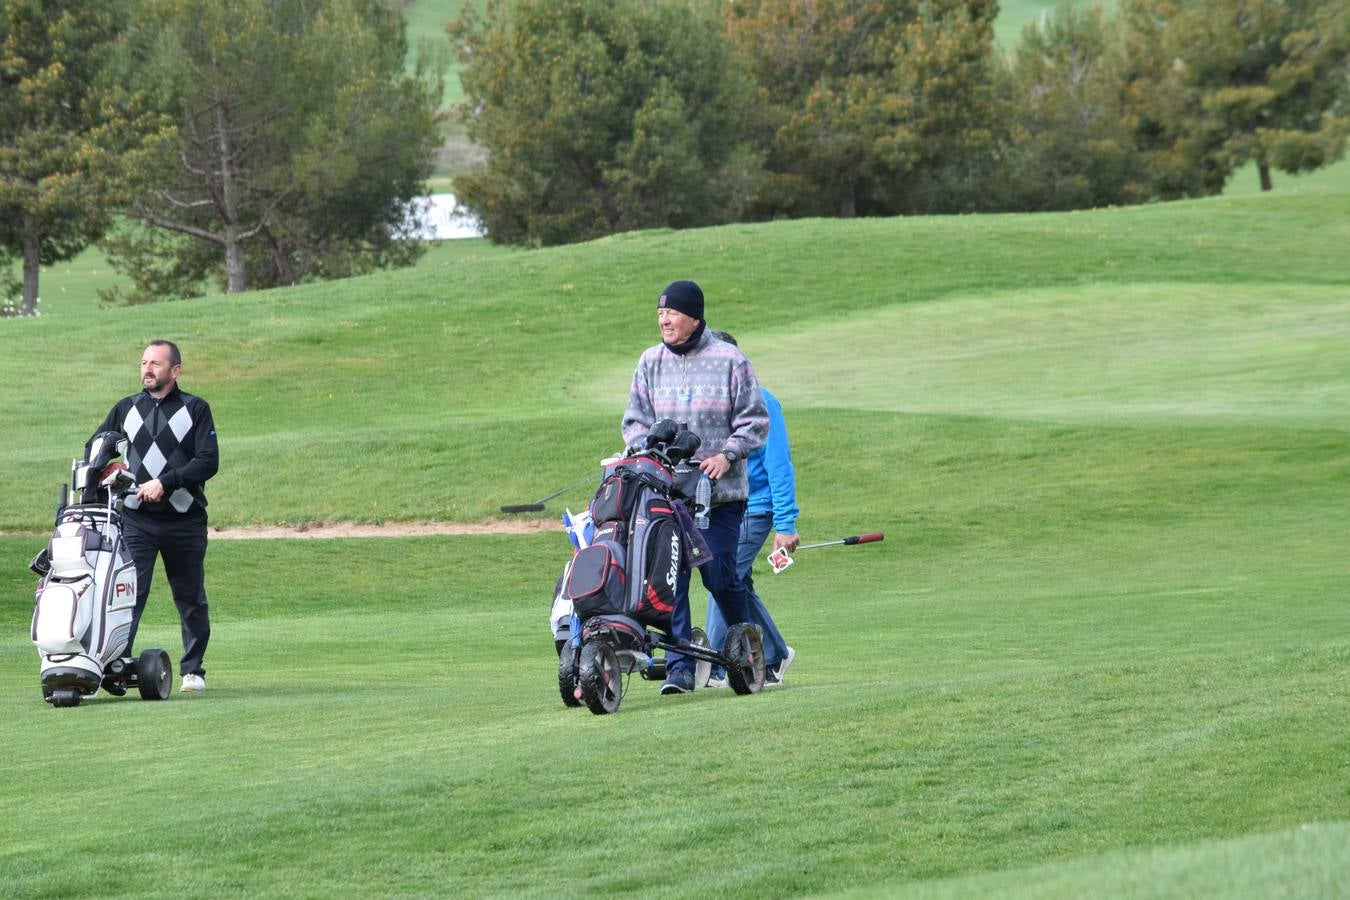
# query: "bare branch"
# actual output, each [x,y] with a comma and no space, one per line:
[252,232]
[181,204]
[169,225]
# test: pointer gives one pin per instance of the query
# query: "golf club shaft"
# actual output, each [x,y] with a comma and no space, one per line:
[538,505]
[564,490]
[868,538]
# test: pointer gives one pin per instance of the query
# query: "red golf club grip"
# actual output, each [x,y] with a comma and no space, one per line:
[865,538]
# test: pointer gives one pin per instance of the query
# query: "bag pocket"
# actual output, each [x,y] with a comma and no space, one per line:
[62,615]
[611,502]
[595,583]
[663,560]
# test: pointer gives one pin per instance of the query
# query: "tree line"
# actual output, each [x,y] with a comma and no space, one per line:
[260,143]
[606,115]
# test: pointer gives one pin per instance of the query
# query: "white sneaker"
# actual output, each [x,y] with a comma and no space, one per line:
[774,676]
[193,684]
[716,683]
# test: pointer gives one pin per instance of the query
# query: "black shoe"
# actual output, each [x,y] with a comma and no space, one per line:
[679,682]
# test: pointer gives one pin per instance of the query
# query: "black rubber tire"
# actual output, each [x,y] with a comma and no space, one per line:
[567,677]
[154,674]
[600,677]
[702,668]
[744,651]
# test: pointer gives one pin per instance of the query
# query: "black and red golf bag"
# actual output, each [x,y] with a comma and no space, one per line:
[633,563]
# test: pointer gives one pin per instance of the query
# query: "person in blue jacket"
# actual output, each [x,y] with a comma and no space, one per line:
[771,507]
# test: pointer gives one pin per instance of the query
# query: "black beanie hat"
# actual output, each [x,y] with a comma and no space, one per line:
[683,296]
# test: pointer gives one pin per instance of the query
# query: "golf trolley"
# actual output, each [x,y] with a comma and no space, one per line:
[621,585]
[86,595]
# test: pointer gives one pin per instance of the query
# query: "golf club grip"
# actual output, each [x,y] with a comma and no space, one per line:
[865,538]
[523,507]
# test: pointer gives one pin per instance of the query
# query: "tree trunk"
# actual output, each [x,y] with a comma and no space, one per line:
[283,265]
[228,204]
[1264,168]
[234,261]
[848,203]
[31,267]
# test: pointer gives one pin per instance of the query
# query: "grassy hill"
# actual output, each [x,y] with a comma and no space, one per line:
[1103,649]
[378,376]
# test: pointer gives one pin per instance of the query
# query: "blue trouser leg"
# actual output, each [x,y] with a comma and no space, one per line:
[720,576]
[755,530]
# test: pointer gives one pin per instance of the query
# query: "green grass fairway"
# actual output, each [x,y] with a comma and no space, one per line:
[1104,649]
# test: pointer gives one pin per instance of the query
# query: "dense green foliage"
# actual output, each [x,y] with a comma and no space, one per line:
[873,107]
[66,133]
[1101,652]
[301,144]
[1070,141]
[1265,82]
[600,116]
[884,107]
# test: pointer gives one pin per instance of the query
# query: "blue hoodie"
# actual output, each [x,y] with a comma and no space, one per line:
[773,485]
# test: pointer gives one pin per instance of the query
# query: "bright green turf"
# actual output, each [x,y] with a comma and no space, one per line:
[1296,862]
[1013,16]
[426,21]
[71,287]
[1103,650]
[1246,181]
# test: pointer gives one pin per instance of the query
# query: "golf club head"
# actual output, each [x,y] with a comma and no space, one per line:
[684,446]
[662,432]
[523,507]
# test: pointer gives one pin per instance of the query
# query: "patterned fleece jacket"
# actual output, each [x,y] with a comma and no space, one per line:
[713,390]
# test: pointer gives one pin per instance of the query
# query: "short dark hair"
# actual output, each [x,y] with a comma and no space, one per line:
[725,336]
[175,358]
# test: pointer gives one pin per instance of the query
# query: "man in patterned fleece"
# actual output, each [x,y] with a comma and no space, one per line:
[694,378]
[171,451]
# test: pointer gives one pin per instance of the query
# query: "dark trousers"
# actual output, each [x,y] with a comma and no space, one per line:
[181,541]
[720,576]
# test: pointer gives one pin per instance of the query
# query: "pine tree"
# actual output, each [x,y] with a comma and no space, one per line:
[1071,144]
[1251,80]
[301,143]
[871,107]
[67,132]
[600,116]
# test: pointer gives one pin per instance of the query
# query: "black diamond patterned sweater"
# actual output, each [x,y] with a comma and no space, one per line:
[174,440]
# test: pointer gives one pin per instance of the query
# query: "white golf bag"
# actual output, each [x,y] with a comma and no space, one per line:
[86,596]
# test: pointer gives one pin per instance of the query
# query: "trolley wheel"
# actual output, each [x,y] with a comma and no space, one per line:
[154,675]
[65,697]
[567,676]
[744,651]
[600,678]
[702,668]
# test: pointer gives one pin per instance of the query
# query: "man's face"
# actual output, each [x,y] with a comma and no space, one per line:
[157,374]
[676,327]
